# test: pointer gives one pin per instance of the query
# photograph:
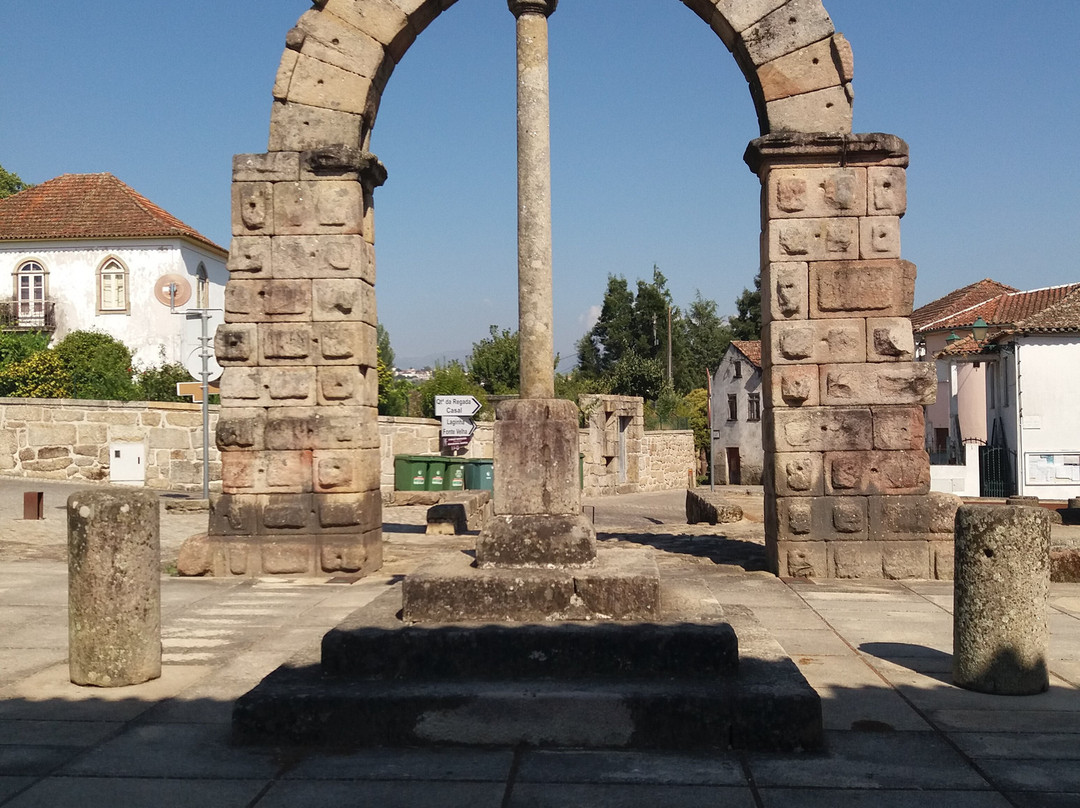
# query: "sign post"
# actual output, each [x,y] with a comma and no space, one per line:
[457,424]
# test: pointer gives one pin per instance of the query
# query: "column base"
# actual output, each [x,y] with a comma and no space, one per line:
[536,540]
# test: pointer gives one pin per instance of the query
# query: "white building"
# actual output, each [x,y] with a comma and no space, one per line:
[1031,356]
[86,252]
[738,457]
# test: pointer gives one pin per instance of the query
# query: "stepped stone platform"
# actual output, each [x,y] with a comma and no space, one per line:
[685,680]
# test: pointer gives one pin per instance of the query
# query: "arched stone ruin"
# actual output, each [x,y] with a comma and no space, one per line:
[847,479]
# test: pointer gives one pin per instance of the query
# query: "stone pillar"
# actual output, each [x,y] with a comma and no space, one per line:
[114,587]
[1000,631]
[298,427]
[535,327]
[847,478]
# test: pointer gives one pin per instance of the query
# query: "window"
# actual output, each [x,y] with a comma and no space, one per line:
[732,407]
[753,407]
[112,288]
[30,294]
[738,370]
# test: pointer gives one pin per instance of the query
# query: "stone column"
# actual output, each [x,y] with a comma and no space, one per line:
[1000,630]
[114,587]
[847,478]
[535,328]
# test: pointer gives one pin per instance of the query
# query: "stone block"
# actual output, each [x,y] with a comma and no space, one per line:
[293,428]
[284,472]
[798,474]
[887,191]
[349,512]
[240,429]
[283,77]
[322,257]
[285,513]
[827,110]
[898,428]
[195,557]
[346,471]
[794,25]
[289,386]
[815,342]
[51,434]
[881,288]
[789,283]
[352,343]
[822,429]
[536,443]
[359,553]
[343,299]
[805,70]
[879,237]
[864,473]
[299,127]
[319,84]
[166,438]
[805,559]
[268,300]
[285,343]
[252,209]
[240,386]
[236,344]
[813,239]
[878,383]
[942,560]
[271,167]
[382,20]
[536,540]
[822,518]
[318,207]
[347,385]
[889,339]
[327,39]
[238,471]
[816,192]
[905,560]
[855,559]
[287,557]
[913,517]
[794,386]
[447,519]
[741,14]
[249,256]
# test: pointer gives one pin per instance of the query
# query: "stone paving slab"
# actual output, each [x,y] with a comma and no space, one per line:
[138,792]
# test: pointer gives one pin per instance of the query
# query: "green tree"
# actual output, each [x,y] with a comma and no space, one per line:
[705,340]
[634,375]
[495,362]
[159,383]
[448,380]
[40,375]
[99,366]
[747,323]
[10,183]
[386,353]
[393,392]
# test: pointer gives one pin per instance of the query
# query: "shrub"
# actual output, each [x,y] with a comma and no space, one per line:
[99,366]
[41,375]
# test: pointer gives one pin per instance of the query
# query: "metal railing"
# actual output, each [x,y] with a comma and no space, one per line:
[16,315]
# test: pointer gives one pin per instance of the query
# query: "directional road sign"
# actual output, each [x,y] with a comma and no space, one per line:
[454,426]
[464,406]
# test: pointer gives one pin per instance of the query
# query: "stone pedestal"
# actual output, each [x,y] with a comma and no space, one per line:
[114,587]
[1000,631]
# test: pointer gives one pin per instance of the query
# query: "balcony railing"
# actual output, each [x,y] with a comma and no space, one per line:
[18,315]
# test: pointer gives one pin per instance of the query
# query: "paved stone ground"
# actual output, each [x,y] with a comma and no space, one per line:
[878,653]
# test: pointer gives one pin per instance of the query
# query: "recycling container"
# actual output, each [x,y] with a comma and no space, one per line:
[455,473]
[479,474]
[436,480]
[410,473]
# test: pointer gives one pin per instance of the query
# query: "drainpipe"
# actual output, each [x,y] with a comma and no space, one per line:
[1020,475]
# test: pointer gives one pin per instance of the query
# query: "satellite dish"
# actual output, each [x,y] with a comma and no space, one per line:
[172,289]
[193,365]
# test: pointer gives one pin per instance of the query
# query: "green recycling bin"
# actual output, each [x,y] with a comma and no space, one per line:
[410,473]
[479,474]
[436,465]
[455,473]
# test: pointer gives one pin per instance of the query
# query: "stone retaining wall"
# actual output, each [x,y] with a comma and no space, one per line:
[68,439]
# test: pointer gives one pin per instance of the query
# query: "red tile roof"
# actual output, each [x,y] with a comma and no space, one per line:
[1008,310]
[1061,316]
[88,206]
[926,318]
[751,349]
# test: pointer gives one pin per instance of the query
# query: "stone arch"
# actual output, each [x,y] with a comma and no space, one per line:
[341,53]
[847,480]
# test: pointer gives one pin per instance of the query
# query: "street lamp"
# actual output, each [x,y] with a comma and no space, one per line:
[978,329]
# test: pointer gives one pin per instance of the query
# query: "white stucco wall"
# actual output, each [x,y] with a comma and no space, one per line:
[147,328]
[742,434]
[1044,393]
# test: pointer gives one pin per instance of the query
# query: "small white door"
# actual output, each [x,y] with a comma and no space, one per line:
[127,463]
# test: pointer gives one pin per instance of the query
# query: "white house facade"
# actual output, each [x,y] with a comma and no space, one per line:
[86,252]
[737,454]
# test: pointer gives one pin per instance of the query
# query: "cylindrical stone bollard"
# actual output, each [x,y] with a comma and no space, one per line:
[114,587]
[1002,583]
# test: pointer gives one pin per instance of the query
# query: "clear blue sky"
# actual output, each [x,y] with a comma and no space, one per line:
[650,117]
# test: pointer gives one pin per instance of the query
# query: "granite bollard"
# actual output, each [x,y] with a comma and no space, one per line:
[1002,583]
[114,587]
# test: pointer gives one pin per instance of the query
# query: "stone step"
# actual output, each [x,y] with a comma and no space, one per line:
[303,706]
[437,685]
[373,644]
